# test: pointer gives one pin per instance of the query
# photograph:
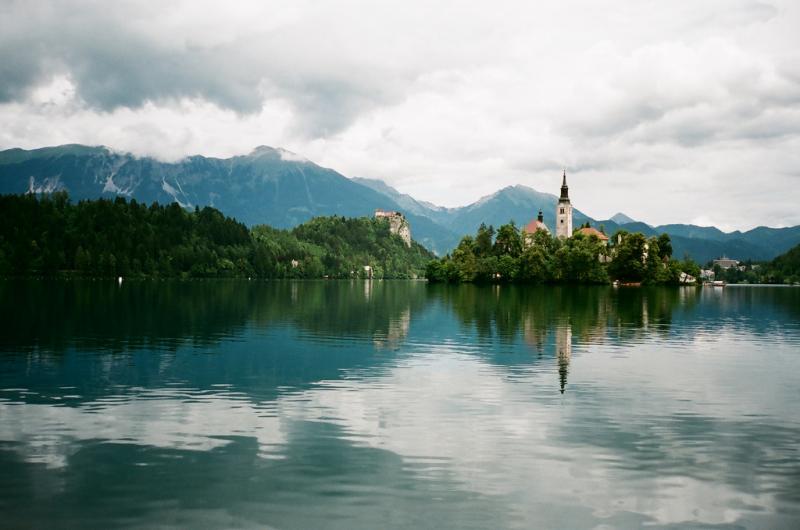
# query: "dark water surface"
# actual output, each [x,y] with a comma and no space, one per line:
[397,405]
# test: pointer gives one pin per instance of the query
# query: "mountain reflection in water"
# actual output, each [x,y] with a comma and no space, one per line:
[397,404]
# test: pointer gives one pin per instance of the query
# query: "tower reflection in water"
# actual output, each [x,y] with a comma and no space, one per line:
[564,352]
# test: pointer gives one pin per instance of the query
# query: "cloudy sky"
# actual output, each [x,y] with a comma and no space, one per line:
[668,111]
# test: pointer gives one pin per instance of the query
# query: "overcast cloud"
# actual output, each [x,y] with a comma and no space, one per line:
[667,111]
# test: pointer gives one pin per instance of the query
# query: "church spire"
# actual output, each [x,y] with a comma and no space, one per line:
[564,188]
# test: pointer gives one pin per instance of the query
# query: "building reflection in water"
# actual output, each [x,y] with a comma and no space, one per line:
[368,290]
[536,337]
[564,352]
[396,334]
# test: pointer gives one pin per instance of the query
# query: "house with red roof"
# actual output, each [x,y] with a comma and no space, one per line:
[531,228]
[590,231]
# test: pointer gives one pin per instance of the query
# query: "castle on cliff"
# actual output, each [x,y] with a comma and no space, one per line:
[398,224]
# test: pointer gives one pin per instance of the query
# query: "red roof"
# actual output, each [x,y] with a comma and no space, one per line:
[593,232]
[535,225]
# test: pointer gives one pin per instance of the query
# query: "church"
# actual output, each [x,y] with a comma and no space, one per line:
[564,211]
[564,228]
[563,216]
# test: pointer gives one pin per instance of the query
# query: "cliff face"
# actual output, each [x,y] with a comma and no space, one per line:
[401,227]
[398,224]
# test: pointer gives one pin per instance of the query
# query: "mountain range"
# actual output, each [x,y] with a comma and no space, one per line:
[276,187]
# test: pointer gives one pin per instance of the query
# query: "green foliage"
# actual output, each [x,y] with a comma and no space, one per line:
[785,269]
[542,258]
[638,259]
[49,235]
[508,259]
[664,246]
[508,241]
[343,246]
[578,261]
[628,264]
[483,240]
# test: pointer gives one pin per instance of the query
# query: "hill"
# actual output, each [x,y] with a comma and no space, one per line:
[785,268]
[53,236]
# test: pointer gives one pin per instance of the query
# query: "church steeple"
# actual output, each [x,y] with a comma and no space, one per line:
[564,210]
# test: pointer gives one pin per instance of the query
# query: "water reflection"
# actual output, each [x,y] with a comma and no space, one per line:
[397,404]
[53,316]
[564,349]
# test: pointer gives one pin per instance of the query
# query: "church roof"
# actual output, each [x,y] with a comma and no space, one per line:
[593,232]
[535,225]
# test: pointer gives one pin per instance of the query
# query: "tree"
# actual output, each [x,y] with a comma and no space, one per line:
[464,258]
[535,265]
[630,253]
[483,240]
[83,261]
[664,246]
[508,241]
[109,237]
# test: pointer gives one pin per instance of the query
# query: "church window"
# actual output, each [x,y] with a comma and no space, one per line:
[562,221]
[562,210]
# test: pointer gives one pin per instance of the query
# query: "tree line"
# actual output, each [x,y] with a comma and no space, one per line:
[784,269]
[509,255]
[49,235]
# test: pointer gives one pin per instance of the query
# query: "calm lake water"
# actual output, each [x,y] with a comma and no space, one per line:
[397,405]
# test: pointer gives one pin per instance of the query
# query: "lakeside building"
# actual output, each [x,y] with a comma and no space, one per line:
[726,263]
[590,231]
[563,217]
[531,228]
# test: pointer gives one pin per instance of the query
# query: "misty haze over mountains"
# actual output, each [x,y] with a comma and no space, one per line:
[282,189]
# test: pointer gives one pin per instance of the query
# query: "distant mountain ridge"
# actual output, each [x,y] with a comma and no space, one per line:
[280,188]
[521,204]
[407,203]
[268,186]
[621,218]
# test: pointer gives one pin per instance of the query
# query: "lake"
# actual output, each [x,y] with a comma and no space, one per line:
[397,404]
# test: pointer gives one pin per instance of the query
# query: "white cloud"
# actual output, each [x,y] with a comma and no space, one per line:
[515,428]
[666,111]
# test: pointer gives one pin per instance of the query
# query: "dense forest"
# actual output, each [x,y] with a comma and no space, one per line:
[49,235]
[783,269]
[505,256]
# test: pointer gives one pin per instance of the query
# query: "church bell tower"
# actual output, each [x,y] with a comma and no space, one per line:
[564,211]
